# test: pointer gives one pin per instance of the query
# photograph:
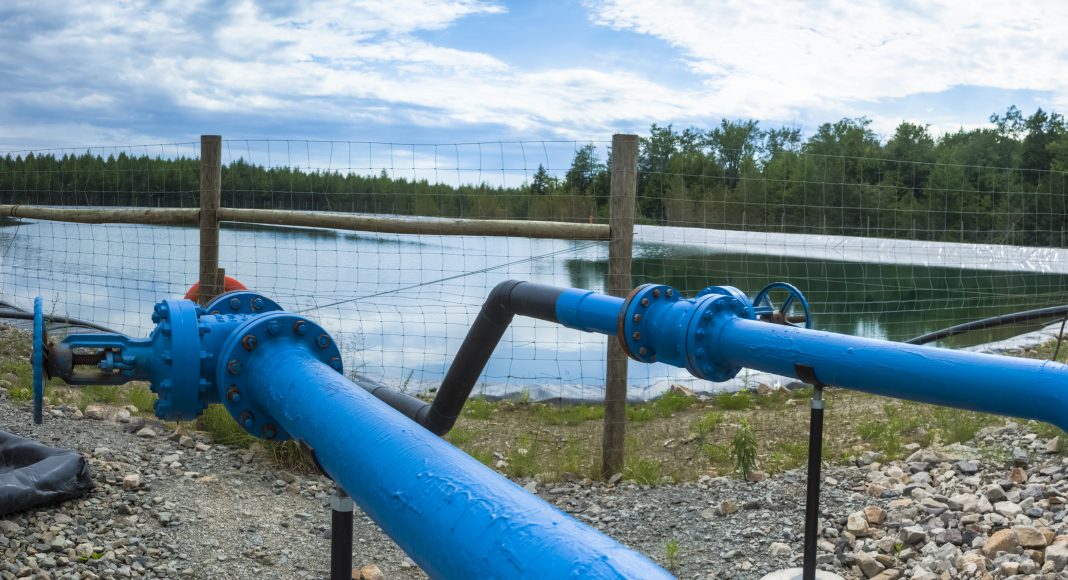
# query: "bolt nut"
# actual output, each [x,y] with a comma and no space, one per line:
[257,304]
[637,335]
[637,318]
[323,340]
[656,293]
[235,304]
[643,351]
[233,367]
[249,342]
[269,431]
[644,302]
[670,292]
[335,363]
[247,420]
[233,395]
[273,327]
[300,327]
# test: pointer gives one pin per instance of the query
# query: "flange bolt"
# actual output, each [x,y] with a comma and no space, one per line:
[233,367]
[235,304]
[249,342]
[300,327]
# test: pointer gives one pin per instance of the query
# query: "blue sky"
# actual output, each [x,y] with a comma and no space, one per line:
[77,74]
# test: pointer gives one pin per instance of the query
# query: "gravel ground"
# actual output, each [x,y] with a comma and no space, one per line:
[200,510]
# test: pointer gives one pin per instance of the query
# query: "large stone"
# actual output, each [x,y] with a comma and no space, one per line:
[1057,554]
[368,572]
[875,515]
[888,574]
[913,534]
[857,524]
[131,481]
[1018,475]
[869,566]
[1030,537]
[100,412]
[779,550]
[1008,509]
[1001,541]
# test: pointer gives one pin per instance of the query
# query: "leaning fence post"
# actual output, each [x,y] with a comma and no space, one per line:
[624,183]
[211,282]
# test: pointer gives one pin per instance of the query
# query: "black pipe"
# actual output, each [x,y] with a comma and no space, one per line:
[505,301]
[341,535]
[991,322]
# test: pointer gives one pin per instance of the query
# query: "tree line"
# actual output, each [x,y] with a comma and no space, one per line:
[1002,183]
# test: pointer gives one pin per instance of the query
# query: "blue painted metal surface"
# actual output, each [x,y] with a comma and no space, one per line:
[241,302]
[38,360]
[714,336]
[454,516]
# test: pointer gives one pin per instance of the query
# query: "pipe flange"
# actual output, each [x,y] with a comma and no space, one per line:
[178,388]
[241,346]
[241,302]
[710,311]
[634,329]
[750,313]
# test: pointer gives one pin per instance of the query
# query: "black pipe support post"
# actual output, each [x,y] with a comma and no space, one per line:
[812,501]
[341,506]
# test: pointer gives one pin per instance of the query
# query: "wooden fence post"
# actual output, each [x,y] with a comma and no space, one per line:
[211,279]
[621,221]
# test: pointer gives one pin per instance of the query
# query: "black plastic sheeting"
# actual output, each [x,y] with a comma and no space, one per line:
[33,474]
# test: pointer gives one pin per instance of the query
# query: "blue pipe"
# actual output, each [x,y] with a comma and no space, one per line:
[715,335]
[453,515]
[1018,387]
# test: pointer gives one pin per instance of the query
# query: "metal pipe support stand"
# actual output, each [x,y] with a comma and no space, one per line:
[812,501]
[341,507]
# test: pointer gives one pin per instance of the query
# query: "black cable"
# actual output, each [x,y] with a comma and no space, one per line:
[991,322]
[20,315]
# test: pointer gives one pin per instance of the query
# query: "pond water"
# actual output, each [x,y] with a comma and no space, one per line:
[400,305]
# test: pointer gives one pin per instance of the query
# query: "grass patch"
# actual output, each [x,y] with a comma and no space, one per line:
[216,421]
[459,436]
[958,426]
[568,414]
[524,460]
[479,408]
[739,401]
[642,471]
[140,396]
[105,394]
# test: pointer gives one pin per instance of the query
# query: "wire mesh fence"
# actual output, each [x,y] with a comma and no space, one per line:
[882,248]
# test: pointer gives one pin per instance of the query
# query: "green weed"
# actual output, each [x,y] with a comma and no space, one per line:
[642,471]
[671,554]
[744,450]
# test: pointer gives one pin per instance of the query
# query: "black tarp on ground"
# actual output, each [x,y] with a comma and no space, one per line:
[33,474]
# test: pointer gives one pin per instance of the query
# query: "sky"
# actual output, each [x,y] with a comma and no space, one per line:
[95,73]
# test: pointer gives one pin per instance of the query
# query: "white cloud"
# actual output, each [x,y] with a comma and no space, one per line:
[281,64]
[775,59]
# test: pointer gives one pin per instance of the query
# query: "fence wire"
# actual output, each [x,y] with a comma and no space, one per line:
[887,249]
